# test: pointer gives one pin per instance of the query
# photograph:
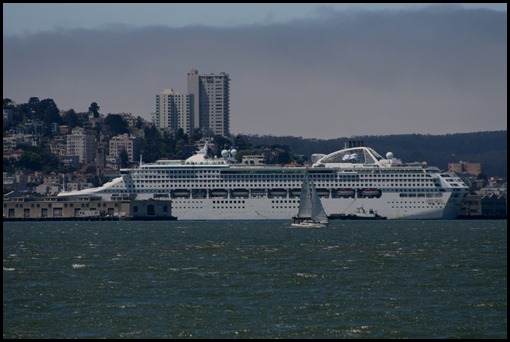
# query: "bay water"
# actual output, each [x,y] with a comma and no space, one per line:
[247,279]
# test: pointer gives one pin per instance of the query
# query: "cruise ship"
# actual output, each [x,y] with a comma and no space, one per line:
[204,187]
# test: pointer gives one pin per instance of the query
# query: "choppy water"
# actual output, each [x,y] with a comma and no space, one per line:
[354,279]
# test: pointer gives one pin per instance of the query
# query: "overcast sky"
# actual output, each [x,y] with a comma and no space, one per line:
[310,70]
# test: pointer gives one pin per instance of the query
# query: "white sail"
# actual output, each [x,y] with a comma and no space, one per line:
[310,206]
[305,199]
[318,213]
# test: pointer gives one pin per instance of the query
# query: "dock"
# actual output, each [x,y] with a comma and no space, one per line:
[86,208]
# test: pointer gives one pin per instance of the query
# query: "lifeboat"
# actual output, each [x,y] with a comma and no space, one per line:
[322,192]
[258,193]
[239,193]
[295,192]
[370,193]
[218,193]
[278,193]
[344,193]
[156,196]
[199,193]
[180,193]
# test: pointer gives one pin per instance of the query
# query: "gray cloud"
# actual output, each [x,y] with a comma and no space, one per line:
[432,71]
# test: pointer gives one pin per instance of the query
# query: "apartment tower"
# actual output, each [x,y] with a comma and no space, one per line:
[211,102]
[174,111]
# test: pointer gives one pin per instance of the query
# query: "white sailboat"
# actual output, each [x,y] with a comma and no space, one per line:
[311,213]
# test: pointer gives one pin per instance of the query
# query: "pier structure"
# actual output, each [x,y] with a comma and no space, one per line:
[86,208]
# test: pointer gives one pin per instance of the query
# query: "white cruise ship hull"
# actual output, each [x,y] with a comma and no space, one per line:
[348,181]
[284,208]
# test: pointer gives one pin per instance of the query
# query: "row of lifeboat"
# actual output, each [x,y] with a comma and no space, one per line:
[272,193]
[360,193]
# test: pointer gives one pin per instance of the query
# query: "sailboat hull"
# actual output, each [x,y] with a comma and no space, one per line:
[308,225]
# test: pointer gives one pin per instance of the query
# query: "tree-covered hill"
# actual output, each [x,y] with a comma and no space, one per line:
[487,148]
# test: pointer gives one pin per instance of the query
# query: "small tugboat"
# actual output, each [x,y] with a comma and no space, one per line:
[360,214]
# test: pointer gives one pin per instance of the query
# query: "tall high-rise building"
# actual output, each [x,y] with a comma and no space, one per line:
[174,111]
[211,102]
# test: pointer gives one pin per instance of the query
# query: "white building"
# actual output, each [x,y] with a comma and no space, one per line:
[13,141]
[82,145]
[253,159]
[173,111]
[211,102]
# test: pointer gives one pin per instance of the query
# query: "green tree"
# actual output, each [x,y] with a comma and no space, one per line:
[30,160]
[49,113]
[116,124]
[284,157]
[139,122]
[8,104]
[71,119]
[196,136]
[179,149]
[168,146]
[29,110]
[151,145]
[180,135]
[241,142]
[94,109]
[124,158]
[482,176]
[9,164]
[33,102]
[34,158]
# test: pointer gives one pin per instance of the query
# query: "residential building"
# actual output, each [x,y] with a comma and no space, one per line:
[13,141]
[9,181]
[112,162]
[173,111]
[58,145]
[63,129]
[471,168]
[52,179]
[8,116]
[125,142]
[129,118]
[17,181]
[81,144]
[254,159]
[211,102]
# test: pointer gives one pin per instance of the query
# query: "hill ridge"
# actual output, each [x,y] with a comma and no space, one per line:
[486,147]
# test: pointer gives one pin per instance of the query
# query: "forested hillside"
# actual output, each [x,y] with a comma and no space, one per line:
[487,148]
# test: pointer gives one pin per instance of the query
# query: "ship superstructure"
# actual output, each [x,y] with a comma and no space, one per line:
[210,188]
